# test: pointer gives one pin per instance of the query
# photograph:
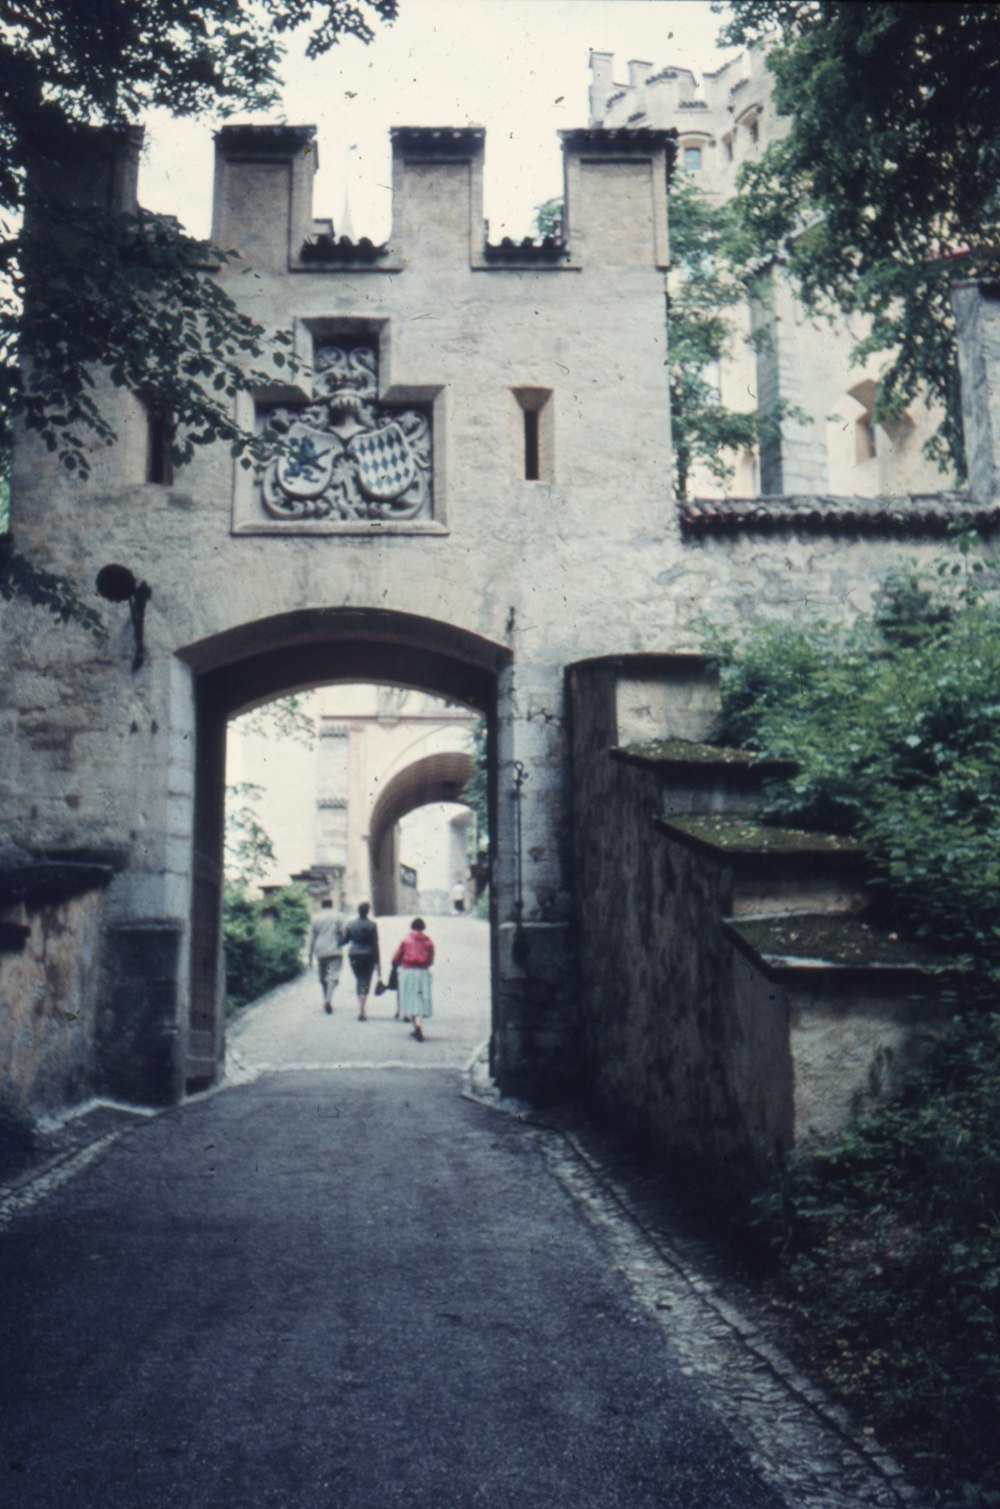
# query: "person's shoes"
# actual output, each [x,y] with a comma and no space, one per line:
[362,1019]
[418,1033]
[328,1008]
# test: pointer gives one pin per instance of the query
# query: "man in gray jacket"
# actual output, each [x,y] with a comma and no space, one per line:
[326,941]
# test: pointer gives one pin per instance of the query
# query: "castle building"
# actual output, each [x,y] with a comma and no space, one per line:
[832,444]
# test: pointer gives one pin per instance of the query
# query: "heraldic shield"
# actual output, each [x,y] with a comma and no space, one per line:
[306,469]
[386,464]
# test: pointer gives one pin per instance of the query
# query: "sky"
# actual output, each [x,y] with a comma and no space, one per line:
[517,67]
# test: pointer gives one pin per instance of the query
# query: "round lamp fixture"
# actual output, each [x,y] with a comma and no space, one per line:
[115,583]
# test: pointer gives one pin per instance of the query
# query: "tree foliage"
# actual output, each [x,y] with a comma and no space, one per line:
[475,792]
[883,192]
[549,216]
[88,297]
[889,1247]
[895,725]
[263,940]
[708,284]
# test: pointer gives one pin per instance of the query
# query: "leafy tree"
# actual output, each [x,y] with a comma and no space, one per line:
[263,940]
[889,1248]
[884,189]
[549,217]
[248,847]
[895,725]
[87,296]
[284,718]
[708,284]
[475,792]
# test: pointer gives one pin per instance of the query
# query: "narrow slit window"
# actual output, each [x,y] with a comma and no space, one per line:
[531,473]
[159,439]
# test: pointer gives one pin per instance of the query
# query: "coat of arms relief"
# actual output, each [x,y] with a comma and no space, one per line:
[345,458]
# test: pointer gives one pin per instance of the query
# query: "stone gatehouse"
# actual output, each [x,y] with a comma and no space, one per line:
[476,498]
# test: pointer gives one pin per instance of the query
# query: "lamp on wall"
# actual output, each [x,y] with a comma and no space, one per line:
[116,584]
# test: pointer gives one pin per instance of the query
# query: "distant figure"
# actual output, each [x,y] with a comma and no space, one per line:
[414,958]
[362,934]
[326,941]
[458,896]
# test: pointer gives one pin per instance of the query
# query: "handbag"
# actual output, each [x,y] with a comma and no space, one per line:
[391,984]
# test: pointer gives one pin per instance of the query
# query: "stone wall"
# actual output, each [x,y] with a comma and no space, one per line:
[49,1003]
[694,1038]
[669,1045]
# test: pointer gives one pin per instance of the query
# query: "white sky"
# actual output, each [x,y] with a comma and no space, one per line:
[517,67]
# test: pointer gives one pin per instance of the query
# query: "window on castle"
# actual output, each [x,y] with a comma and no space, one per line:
[531,445]
[692,159]
[727,142]
[536,433]
[159,441]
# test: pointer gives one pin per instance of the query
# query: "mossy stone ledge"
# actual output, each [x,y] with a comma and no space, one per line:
[804,945]
[684,757]
[736,839]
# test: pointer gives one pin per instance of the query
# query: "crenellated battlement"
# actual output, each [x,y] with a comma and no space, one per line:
[615,202]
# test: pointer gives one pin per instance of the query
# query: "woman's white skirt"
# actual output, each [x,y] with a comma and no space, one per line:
[415,992]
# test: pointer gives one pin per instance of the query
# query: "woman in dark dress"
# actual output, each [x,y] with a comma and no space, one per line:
[362,934]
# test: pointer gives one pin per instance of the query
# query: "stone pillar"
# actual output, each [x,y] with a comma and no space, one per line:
[977,326]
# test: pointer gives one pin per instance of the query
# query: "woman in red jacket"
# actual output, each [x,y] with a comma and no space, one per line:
[414,958]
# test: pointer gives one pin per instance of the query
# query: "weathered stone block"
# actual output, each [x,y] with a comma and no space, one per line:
[138,1041]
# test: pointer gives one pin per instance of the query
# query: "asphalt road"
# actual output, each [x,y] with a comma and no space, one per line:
[344,1287]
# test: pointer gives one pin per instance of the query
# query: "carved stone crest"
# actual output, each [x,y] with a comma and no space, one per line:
[345,457]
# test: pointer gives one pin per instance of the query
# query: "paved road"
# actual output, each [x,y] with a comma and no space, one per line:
[352,1288]
[290,1029]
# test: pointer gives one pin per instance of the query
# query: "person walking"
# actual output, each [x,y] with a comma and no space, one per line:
[414,958]
[326,941]
[362,935]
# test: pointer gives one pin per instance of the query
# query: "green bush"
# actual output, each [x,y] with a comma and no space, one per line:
[888,1242]
[263,941]
[895,725]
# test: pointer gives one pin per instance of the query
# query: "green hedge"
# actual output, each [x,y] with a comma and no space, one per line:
[895,724]
[888,1244]
[263,941]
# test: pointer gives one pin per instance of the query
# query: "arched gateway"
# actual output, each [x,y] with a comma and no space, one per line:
[242,667]
[432,778]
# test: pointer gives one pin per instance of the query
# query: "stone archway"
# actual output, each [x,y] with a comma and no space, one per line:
[435,778]
[246,666]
